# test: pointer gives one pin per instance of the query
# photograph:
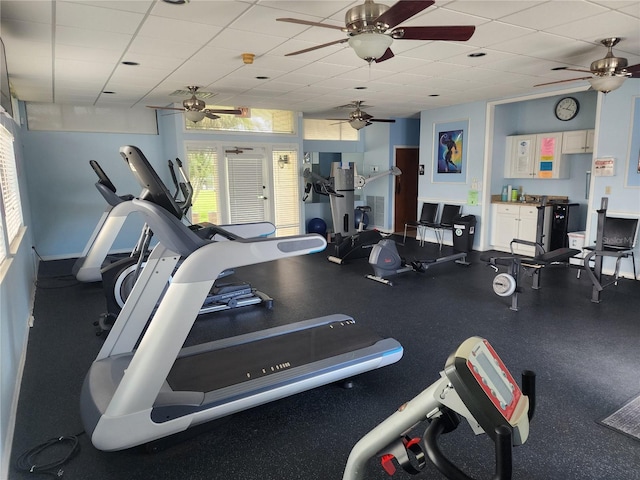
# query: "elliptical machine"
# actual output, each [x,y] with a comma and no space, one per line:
[118,278]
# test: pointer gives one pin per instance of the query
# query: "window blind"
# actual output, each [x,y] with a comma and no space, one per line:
[11,206]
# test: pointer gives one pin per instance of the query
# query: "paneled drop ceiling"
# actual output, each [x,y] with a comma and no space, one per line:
[71,52]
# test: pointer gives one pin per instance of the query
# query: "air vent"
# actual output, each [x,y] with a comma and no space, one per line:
[187,93]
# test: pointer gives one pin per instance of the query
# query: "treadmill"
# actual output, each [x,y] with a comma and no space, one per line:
[144,385]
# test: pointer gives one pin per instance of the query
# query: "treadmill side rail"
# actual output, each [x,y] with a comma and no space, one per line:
[136,424]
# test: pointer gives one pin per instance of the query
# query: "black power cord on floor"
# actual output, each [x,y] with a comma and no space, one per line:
[27,462]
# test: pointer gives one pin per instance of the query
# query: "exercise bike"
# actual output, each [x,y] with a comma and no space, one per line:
[474,384]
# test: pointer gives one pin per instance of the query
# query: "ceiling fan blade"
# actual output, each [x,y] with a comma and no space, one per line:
[634,70]
[459,33]
[311,24]
[339,119]
[562,81]
[386,120]
[403,10]
[386,56]
[210,114]
[165,108]
[317,47]
[355,104]
[225,111]
[576,70]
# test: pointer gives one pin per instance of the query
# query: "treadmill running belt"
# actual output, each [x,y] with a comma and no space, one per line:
[217,369]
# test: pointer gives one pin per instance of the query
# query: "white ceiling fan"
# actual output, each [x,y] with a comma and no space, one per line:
[194,108]
[608,73]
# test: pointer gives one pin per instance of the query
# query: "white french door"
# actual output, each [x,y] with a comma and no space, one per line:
[247,186]
[254,183]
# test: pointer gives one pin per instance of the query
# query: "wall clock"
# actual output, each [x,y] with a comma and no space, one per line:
[567,108]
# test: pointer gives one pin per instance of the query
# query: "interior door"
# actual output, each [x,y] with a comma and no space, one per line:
[247,185]
[406,187]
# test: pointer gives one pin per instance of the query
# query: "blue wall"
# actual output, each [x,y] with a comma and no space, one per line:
[17,288]
[432,189]
[66,204]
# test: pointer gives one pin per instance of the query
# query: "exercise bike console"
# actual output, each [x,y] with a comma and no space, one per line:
[474,384]
[488,390]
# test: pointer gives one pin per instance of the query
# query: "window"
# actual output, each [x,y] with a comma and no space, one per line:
[10,200]
[256,120]
[315,129]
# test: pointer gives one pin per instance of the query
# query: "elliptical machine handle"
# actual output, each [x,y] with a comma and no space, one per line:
[441,424]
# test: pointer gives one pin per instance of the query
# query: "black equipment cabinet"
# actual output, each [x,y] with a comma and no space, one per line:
[565,218]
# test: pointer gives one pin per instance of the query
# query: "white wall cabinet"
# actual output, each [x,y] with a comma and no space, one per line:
[577,141]
[535,156]
[518,221]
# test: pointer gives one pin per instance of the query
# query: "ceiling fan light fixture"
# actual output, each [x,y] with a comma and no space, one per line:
[370,46]
[194,116]
[358,123]
[606,83]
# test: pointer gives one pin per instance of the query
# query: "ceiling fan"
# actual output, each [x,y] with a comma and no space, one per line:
[194,108]
[372,27]
[358,118]
[608,73]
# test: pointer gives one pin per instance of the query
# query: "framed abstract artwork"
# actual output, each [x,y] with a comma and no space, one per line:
[450,151]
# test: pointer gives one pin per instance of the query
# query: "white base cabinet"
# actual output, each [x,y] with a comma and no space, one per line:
[517,221]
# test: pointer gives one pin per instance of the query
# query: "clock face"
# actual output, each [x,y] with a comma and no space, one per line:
[567,108]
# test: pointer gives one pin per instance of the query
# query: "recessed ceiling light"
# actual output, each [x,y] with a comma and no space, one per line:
[360,88]
[434,95]
[262,78]
[130,63]
[476,54]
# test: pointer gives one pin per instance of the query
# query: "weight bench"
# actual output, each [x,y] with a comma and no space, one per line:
[509,283]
